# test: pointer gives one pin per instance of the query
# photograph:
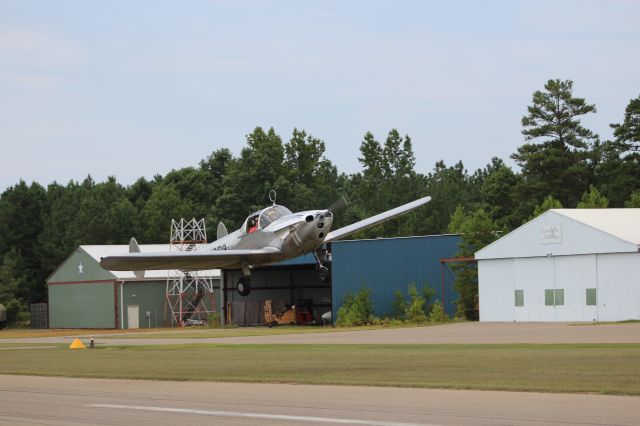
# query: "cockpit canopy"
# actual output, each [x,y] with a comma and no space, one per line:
[263,218]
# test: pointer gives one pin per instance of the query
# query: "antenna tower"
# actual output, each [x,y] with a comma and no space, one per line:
[190,294]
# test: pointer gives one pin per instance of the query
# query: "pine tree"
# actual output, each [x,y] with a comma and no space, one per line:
[548,204]
[559,165]
[592,199]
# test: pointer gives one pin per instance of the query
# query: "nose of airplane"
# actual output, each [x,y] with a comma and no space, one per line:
[323,223]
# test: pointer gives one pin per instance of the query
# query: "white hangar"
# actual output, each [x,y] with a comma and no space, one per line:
[564,265]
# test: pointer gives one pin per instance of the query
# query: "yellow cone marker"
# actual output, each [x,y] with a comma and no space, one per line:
[77,344]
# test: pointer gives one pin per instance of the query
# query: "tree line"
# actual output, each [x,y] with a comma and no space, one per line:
[560,164]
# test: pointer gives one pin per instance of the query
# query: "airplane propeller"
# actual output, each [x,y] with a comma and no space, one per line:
[340,203]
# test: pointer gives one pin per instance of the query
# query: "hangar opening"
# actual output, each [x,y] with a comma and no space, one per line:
[289,292]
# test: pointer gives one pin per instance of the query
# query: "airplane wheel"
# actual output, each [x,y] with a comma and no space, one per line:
[244,286]
[324,273]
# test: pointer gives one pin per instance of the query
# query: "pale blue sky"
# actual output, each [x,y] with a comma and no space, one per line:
[135,88]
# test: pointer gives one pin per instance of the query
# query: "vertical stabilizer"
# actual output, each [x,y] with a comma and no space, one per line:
[135,248]
[222,230]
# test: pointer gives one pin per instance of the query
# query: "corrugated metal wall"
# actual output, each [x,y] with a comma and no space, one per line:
[149,296]
[85,305]
[388,265]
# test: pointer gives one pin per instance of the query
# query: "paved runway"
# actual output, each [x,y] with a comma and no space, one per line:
[470,332]
[59,401]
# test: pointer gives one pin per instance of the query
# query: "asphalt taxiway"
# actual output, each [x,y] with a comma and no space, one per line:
[63,401]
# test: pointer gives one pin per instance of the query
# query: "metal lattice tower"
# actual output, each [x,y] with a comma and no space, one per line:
[189,295]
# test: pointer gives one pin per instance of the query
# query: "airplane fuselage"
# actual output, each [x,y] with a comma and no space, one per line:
[292,235]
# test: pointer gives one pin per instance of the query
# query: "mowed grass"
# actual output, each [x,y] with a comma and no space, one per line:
[214,333]
[584,368]
[189,332]
[27,333]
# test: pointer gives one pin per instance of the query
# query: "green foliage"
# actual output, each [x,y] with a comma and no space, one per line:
[164,204]
[476,231]
[497,192]
[560,164]
[548,204]
[633,201]
[399,305]
[593,199]
[415,310]
[388,179]
[449,188]
[427,292]
[356,309]
[13,286]
[17,312]
[628,132]
[437,312]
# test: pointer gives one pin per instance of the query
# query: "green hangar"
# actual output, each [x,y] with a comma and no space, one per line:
[84,295]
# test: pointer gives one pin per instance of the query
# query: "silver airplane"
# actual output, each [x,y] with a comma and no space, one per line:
[267,236]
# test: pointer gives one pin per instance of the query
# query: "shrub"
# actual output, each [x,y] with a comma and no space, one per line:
[415,308]
[17,313]
[356,309]
[428,293]
[399,305]
[437,312]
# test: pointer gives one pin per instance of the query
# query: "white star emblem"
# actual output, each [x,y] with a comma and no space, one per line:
[81,268]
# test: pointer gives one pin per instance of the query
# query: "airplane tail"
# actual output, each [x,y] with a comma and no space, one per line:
[222,230]
[135,248]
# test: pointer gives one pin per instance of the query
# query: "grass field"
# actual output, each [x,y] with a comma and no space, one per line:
[209,333]
[190,332]
[27,333]
[604,369]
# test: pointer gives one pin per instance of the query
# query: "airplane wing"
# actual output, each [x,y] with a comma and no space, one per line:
[188,261]
[375,220]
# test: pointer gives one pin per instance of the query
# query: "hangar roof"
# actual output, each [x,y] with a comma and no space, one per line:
[621,223]
[561,232]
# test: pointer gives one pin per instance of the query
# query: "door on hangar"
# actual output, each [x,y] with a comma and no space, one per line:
[133,316]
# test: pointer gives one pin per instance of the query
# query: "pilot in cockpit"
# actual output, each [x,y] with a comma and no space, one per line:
[252,226]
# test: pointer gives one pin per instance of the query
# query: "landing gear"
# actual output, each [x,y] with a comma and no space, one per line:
[244,283]
[325,275]
[244,286]
[323,271]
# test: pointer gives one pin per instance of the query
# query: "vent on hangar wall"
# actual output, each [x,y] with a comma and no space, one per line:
[189,297]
